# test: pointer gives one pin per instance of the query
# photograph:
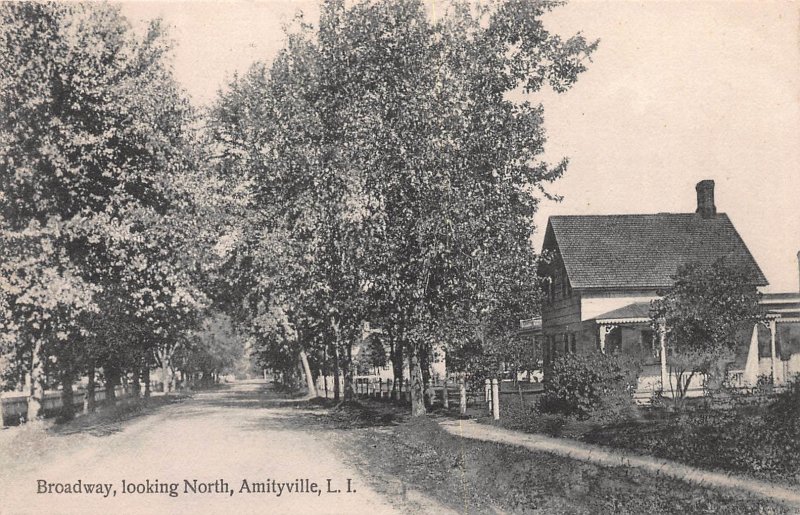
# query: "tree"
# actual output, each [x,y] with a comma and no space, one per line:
[450,162]
[213,350]
[701,312]
[42,298]
[395,169]
[96,147]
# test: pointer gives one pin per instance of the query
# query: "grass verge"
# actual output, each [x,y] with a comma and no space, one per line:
[415,456]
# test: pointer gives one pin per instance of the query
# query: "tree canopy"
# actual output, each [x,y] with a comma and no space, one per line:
[397,162]
[384,167]
[702,311]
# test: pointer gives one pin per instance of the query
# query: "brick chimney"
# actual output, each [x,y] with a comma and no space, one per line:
[705,199]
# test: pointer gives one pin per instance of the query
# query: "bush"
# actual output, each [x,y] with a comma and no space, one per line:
[782,434]
[591,386]
[528,418]
[762,441]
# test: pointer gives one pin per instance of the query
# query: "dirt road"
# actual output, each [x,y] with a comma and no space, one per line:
[239,450]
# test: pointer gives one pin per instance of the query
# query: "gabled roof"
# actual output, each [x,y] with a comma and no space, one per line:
[643,251]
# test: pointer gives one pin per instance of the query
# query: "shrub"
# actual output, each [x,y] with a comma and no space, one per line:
[746,437]
[782,434]
[528,418]
[591,386]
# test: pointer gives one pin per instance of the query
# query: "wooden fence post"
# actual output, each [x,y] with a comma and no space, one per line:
[462,393]
[445,399]
[495,399]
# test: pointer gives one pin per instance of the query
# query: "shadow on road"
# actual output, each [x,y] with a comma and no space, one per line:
[286,411]
[110,420]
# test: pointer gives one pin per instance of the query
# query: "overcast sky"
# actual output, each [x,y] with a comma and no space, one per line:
[676,93]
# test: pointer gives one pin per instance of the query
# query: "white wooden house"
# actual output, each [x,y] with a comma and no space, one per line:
[603,271]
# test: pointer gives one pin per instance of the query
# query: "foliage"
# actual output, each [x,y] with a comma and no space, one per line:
[467,475]
[98,172]
[371,355]
[761,441]
[214,349]
[528,417]
[591,385]
[702,311]
[386,165]
[363,152]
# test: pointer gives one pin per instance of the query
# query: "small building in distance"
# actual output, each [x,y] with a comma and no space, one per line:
[603,271]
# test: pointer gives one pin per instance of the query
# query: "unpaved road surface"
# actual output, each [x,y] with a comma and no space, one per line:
[243,433]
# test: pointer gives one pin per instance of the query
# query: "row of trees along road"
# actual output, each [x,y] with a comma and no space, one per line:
[384,167]
[103,226]
[390,166]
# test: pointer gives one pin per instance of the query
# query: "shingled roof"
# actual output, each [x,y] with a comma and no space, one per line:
[643,251]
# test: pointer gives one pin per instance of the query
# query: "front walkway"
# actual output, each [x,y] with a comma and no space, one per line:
[616,458]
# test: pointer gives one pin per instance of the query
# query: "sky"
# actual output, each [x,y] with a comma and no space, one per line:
[677,92]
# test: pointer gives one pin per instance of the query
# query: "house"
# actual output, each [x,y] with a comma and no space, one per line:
[603,271]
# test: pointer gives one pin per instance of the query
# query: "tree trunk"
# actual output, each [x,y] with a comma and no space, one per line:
[89,402]
[312,388]
[336,374]
[165,379]
[36,392]
[112,376]
[146,381]
[417,393]
[67,398]
[349,390]
[425,366]
[21,371]
[137,385]
[397,369]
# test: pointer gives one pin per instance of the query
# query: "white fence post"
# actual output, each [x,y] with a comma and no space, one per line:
[496,399]
[462,393]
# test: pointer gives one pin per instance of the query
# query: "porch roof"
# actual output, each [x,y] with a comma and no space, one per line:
[632,313]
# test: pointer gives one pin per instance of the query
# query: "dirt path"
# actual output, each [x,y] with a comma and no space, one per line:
[612,458]
[242,433]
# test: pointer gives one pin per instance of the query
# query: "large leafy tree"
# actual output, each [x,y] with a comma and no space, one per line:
[297,251]
[451,161]
[701,313]
[398,158]
[94,142]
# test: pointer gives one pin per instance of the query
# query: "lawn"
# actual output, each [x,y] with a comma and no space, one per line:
[480,477]
[756,440]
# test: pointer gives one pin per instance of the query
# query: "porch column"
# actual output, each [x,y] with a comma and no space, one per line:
[773,354]
[662,341]
[602,328]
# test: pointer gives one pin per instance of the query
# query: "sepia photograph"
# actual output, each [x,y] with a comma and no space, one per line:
[400,256]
